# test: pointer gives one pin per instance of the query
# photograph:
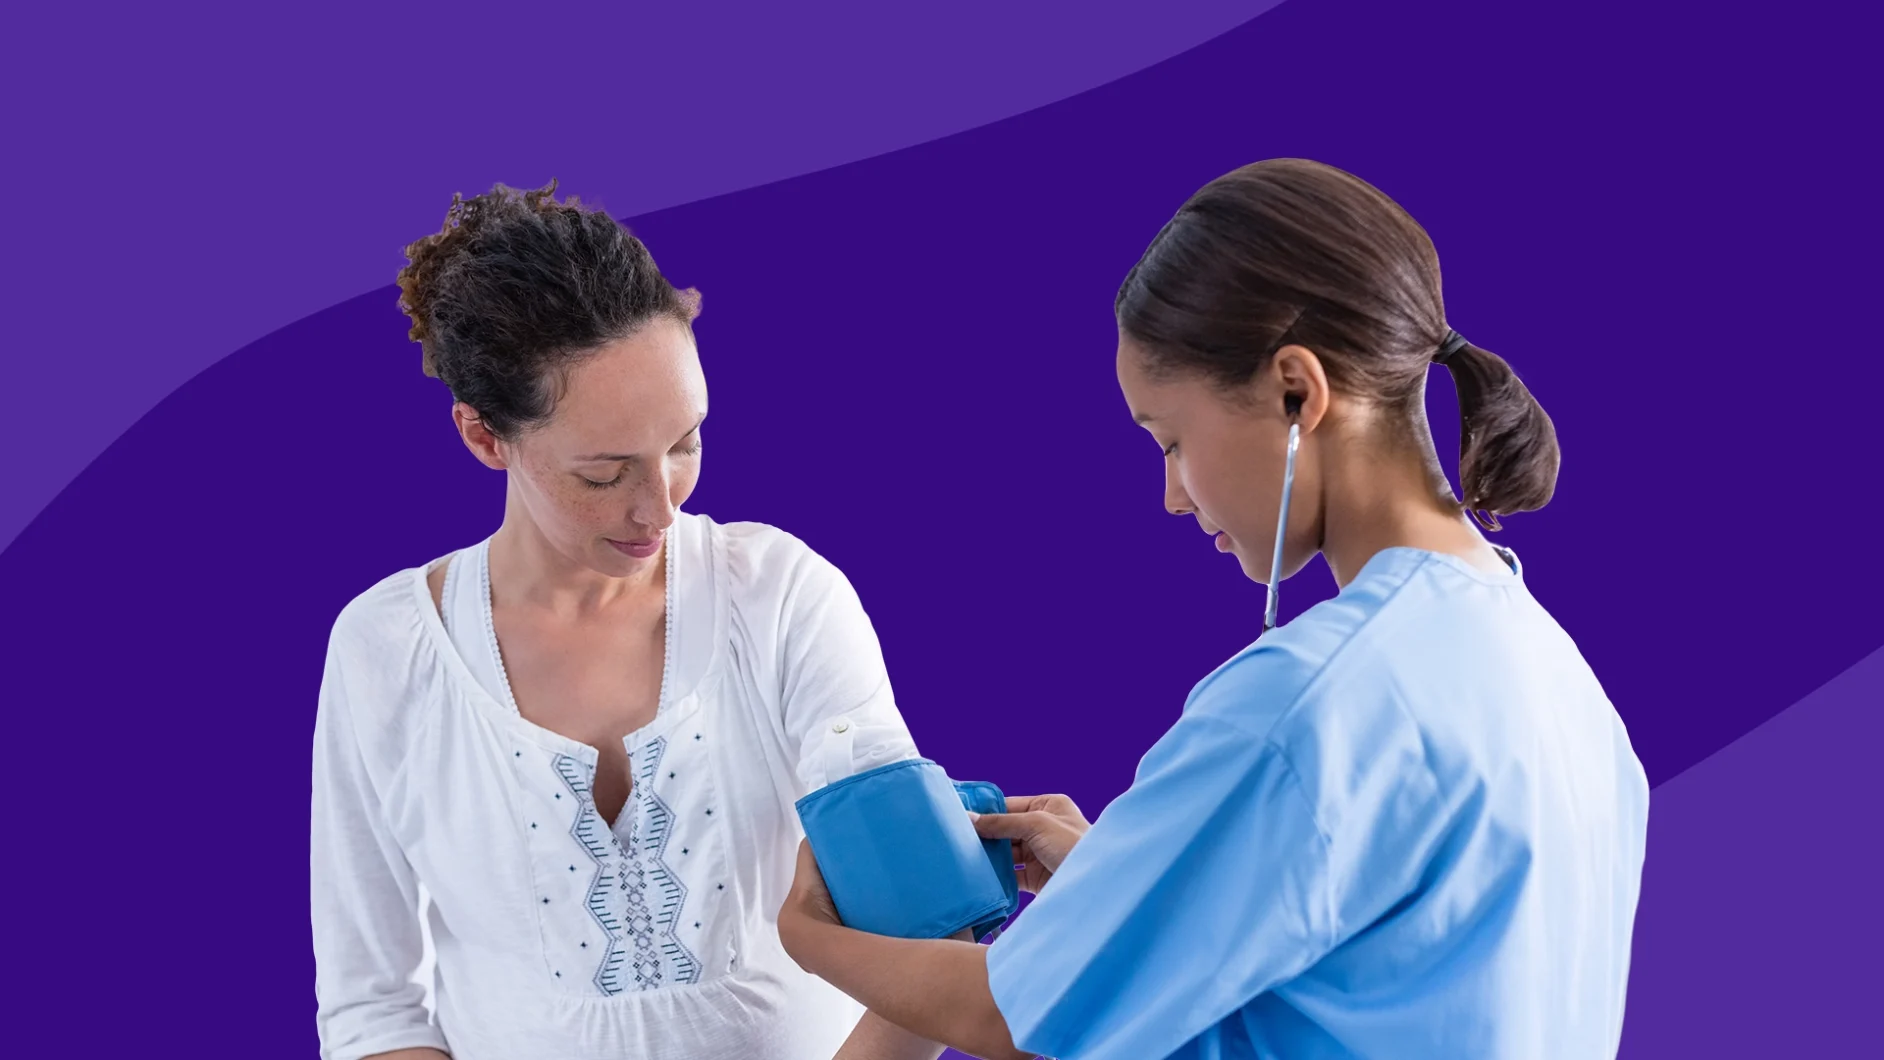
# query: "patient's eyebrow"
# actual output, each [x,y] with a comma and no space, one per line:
[1142,417]
[597,458]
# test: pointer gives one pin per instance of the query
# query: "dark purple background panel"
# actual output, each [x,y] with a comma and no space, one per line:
[911,368]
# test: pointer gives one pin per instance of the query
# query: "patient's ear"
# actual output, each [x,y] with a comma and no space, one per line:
[478,437]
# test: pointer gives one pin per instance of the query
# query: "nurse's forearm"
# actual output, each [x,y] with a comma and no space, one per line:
[934,988]
[878,1039]
[410,1054]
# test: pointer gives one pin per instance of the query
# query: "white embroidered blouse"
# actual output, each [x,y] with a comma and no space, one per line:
[556,935]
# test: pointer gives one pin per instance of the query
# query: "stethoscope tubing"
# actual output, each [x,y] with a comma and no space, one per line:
[1282,525]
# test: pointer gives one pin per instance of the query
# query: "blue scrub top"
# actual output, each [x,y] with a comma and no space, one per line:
[1407,824]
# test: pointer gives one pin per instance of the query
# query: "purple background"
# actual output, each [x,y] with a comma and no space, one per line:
[1661,214]
[220,171]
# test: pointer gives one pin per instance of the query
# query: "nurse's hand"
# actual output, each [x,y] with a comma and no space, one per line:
[808,908]
[1043,828]
[808,898]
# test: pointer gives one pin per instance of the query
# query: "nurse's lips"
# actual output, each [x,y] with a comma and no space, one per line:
[1222,539]
[641,549]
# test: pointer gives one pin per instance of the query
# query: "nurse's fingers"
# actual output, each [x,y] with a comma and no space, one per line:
[1048,838]
[808,874]
[1003,826]
[808,890]
[1055,805]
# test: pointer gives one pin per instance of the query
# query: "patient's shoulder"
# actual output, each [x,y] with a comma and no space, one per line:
[435,581]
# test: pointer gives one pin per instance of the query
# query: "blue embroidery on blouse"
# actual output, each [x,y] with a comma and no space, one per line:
[594,839]
[633,894]
[653,827]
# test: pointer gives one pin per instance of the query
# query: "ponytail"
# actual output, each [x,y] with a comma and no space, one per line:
[1508,454]
[1295,251]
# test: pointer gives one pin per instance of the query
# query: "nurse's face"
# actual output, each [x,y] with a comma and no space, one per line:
[601,480]
[1224,456]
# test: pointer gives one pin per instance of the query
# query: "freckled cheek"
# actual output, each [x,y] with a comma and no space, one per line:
[681,485]
[600,510]
[581,510]
[591,508]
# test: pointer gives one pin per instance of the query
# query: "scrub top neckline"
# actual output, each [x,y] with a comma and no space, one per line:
[1512,577]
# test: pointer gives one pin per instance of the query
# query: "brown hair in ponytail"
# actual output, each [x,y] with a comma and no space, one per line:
[1508,453]
[1292,251]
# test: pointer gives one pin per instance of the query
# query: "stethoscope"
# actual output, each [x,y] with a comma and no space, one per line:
[1292,404]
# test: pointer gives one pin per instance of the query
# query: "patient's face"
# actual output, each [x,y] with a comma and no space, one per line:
[1223,455]
[605,476]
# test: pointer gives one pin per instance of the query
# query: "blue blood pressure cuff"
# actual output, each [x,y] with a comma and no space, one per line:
[900,856]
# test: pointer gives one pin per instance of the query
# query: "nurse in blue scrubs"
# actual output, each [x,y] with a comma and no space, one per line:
[1409,823]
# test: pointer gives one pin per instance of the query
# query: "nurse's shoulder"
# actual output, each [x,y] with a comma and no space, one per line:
[1268,684]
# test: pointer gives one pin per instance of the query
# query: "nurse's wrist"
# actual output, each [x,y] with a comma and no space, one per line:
[806,938]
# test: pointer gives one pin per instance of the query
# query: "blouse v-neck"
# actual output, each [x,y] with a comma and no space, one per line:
[466,621]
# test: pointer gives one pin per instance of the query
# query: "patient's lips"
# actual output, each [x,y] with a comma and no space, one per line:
[640,549]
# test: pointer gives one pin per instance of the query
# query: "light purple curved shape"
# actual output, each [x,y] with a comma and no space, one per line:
[207,177]
[1762,915]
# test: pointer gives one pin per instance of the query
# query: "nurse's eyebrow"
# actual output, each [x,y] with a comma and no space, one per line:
[1141,417]
[597,458]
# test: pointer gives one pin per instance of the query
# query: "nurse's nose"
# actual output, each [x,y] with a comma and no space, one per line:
[1176,501]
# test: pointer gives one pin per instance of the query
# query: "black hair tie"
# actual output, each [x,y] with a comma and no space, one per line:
[1451,344]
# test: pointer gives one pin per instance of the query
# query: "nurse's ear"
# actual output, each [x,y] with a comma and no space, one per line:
[478,437]
[1303,384]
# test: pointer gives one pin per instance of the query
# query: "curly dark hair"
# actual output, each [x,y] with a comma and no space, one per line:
[516,288]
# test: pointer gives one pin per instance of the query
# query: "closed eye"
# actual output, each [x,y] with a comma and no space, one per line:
[687,450]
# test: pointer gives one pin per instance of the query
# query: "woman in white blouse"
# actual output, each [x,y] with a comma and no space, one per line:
[583,736]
